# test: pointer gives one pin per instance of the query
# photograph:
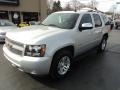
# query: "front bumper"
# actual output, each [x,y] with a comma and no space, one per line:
[32,65]
[2,38]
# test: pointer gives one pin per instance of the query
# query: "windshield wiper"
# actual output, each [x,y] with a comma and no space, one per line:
[50,25]
[53,25]
[43,24]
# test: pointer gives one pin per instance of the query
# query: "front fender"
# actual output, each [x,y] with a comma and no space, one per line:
[57,46]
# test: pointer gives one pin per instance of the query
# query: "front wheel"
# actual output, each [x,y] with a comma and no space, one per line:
[61,64]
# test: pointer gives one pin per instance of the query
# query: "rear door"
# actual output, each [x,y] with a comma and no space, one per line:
[98,27]
[106,27]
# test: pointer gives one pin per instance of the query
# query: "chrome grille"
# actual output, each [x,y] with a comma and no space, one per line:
[10,44]
[13,42]
[3,33]
[13,50]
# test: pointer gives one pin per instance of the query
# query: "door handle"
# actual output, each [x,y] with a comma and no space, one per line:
[98,31]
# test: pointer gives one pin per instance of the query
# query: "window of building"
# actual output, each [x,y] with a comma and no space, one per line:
[4,15]
[16,17]
[30,16]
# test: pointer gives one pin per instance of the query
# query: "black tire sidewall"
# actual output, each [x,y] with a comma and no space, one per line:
[104,39]
[105,44]
[54,66]
[116,27]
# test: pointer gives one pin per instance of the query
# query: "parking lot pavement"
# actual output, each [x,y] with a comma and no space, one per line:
[114,41]
[94,72]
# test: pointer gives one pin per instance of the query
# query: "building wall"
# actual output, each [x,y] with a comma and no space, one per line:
[39,6]
[25,5]
[43,9]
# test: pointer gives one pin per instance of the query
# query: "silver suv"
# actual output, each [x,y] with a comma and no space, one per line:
[51,47]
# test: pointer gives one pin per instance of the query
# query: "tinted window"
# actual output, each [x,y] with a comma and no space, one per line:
[86,19]
[97,20]
[61,20]
[104,18]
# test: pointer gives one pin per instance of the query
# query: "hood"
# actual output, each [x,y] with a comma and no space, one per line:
[7,28]
[32,34]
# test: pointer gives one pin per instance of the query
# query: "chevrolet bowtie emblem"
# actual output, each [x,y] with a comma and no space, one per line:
[10,46]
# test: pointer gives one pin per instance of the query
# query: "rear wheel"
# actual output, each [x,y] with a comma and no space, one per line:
[116,27]
[61,64]
[103,44]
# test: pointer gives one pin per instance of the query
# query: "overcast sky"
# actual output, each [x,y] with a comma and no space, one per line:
[103,5]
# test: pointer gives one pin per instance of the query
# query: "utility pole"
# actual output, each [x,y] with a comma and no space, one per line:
[114,10]
[74,4]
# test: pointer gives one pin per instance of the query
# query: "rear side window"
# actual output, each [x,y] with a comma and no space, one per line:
[105,19]
[97,20]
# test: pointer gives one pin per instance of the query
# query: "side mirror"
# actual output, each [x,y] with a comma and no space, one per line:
[85,26]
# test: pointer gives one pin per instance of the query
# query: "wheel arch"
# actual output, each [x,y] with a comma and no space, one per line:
[68,48]
[105,35]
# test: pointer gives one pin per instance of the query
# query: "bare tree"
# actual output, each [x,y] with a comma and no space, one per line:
[93,4]
[68,7]
[76,5]
[49,6]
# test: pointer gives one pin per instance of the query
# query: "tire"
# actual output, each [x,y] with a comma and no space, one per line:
[58,66]
[102,45]
[116,27]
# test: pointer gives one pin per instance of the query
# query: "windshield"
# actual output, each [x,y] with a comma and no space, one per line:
[6,23]
[61,20]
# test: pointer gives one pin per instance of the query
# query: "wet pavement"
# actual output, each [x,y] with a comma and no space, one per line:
[93,72]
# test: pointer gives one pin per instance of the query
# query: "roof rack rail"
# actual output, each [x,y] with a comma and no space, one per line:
[91,10]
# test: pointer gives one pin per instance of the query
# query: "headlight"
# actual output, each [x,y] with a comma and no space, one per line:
[35,50]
